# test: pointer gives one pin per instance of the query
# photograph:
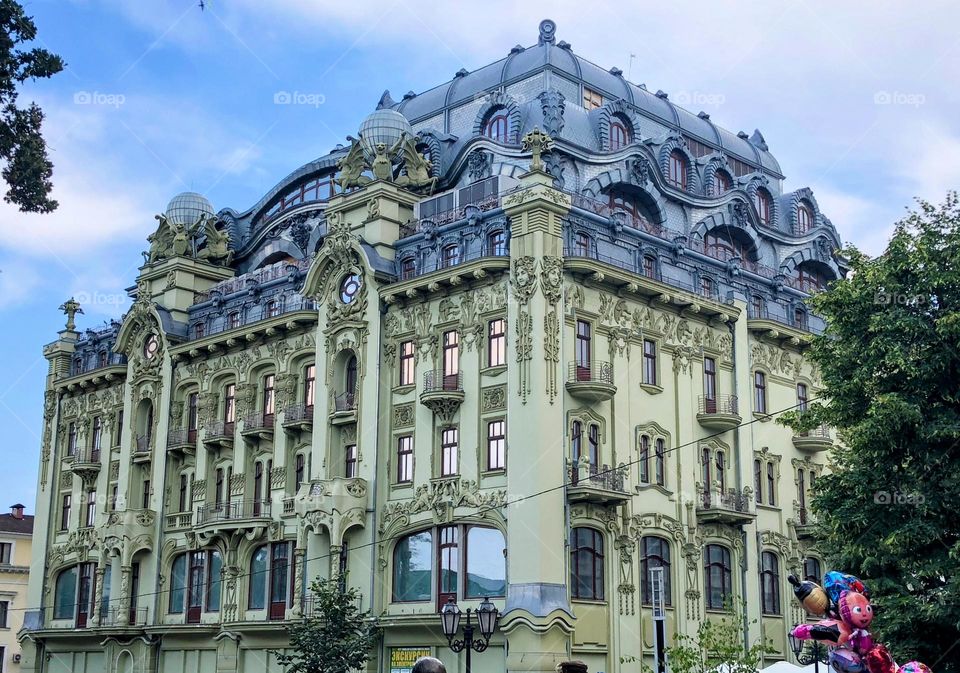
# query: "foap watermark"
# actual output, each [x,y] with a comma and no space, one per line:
[114,100]
[891,298]
[701,98]
[299,98]
[899,98]
[101,298]
[898,498]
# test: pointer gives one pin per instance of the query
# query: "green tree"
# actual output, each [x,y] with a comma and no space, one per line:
[27,168]
[890,365]
[334,637]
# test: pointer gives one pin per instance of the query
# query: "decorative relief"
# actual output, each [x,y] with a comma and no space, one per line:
[441,498]
[114,470]
[277,476]
[199,489]
[404,416]
[66,480]
[493,399]
[551,351]
[236,484]
[775,360]
[246,398]
[524,352]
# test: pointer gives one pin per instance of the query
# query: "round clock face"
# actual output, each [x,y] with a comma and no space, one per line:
[151,346]
[349,288]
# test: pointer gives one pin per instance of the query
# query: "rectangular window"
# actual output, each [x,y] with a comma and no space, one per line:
[96,437]
[650,362]
[591,99]
[801,397]
[583,350]
[758,481]
[350,460]
[146,494]
[299,471]
[234,319]
[218,494]
[72,439]
[198,330]
[760,392]
[405,459]
[659,462]
[644,459]
[448,452]
[4,610]
[92,508]
[229,403]
[309,385]
[6,553]
[771,485]
[113,497]
[193,415]
[184,492]
[496,445]
[65,512]
[496,343]
[710,384]
[119,431]
[451,354]
[407,363]
[269,397]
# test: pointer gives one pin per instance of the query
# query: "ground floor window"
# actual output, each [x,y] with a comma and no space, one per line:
[586,564]
[195,579]
[271,579]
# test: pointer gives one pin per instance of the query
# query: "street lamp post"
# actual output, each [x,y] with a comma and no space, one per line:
[816,655]
[487,618]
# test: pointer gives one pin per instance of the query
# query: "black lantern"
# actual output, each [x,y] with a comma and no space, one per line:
[487,618]
[816,654]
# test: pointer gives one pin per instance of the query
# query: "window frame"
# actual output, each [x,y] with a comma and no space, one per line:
[770,584]
[405,459]
[759,392]
[663,555]
[725,566]
[496,445]
[650,374]
[677,167]
[408,365]
[497,342]
[449,451]
[595,558]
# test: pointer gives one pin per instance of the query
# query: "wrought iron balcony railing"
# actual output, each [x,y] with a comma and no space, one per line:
[719,404]
[436,381]
[234,510]
[345,401]
[605,477]
[819,432]
[87,456]
[594,371]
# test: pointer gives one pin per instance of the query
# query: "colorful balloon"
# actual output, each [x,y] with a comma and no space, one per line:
[846,661]
[811,596]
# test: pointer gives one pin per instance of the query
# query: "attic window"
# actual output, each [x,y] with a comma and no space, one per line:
[591,99]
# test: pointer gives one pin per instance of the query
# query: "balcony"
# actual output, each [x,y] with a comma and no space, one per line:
[178,521]
[247,516]
[129,523]
[86,464]
[591,381]
[115,617]
[182,441]
[601,485]
[141,448]
[338,500]
[258,425]
[218,434]
[720,412]
[729,507]
[442,393]
[804,523]
[344,408]
[298,417]
[814,440]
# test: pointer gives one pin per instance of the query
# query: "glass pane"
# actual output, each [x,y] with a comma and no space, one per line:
[213,595]
[178,583]
[278,573]
[486,564]
[66,594]
[258,579]
[413,568]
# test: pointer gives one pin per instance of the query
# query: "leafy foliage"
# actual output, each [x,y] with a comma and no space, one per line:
[336,637]
[890,362]
[27,168]
[718,642]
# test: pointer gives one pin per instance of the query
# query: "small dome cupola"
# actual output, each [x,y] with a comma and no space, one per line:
[383,126]
[187,208]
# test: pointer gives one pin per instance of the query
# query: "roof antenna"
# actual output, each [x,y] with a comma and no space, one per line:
[630,66]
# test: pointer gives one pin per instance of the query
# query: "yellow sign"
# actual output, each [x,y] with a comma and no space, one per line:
[402,659]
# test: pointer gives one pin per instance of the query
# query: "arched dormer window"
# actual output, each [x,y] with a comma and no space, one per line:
[497,243]
[634,206]
[764,205]
[449,255]
[496,126]
[408,268]
[805,217]
[620,135]
[677,170]
[722,182]
[808,278]
[719,245]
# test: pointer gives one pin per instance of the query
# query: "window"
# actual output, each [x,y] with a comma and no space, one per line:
[193,407]
[583,350]
[710,384]
[96,438]
[650,362]
[706,286]
[271,583]
[586,564]
[102,359]
[268,402]
[649,266]
[677,173]
[705,469]
[72,439]
[497,243]
[119,430]
[718,576]
[764,205]
[576,440]
[257,487]
[309,385]
[808,279]
[449,256]
[404,459]
[413,568]
[350,461]
[802,397]
[273,308]
[593,441]
[6,553]
[230,403]
[408,268]
[659,464]
[591,99]
[65,594]
[760,392]
[771,485]
[4,607]
[449,554]
[811,570]
[199,330]
[65,512]
[91,509]
[495,127]
[644,459]
[800,318]
[218,494]
[655,553]
[723,246]
[195,584]
[770,583]
[184,499]
[496,343]
[233,319]
[756,306]
[805,217]
[496,445]
[758,481]
[300,464]
[407,363]
[448,452]
[721,183]
[721,471]
[801,495]
[581,245]
[451,357]
[619,134]
[145,504]
[485,565]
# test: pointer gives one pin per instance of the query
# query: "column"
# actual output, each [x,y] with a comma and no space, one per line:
[98,593]
[126,575]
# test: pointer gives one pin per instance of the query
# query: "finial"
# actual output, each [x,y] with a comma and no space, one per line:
[537,142]
[71,308]
[548,32]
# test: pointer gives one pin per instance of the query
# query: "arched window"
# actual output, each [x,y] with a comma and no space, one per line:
[632,204]
[721,183]
[272,574]
[809,279]
[408,268]
[350,375]
[65,594]
[644,459]
[576,441]
[805,217]
[449,255]
[581,245]
[586,564]
[770,583]
[659,467]
[811,570]
[486,571]
[764,205]
[677,170]
[594,445]
[497,243]
[619,133]
[721,471]
[654,553]
[720,245]
[496,126]
[717,575]
[649,266]
[195,579]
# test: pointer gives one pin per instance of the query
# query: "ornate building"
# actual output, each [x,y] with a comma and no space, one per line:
[16,530]
[525,338]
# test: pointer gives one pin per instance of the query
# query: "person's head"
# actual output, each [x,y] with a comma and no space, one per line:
[428,665]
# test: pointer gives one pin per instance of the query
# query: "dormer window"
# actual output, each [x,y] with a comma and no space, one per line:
[677,170]
[805,218]
[497,243]
[581,245]
[496,126]
[764,205]
[408,268]
[721,183]
[591,99]
[450,255]
[619,133]
[198,331]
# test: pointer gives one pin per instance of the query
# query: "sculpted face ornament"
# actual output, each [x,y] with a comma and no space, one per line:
[150,347]
[349,288]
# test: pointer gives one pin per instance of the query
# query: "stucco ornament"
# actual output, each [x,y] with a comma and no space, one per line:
[537,143]
[352,166]
[71,308]
[415,169]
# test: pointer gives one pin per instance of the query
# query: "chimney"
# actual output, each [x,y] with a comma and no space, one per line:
[16,511]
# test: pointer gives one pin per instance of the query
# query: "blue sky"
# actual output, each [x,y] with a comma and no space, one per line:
[857,100]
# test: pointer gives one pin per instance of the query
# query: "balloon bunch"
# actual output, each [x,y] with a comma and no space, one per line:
[844,604]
